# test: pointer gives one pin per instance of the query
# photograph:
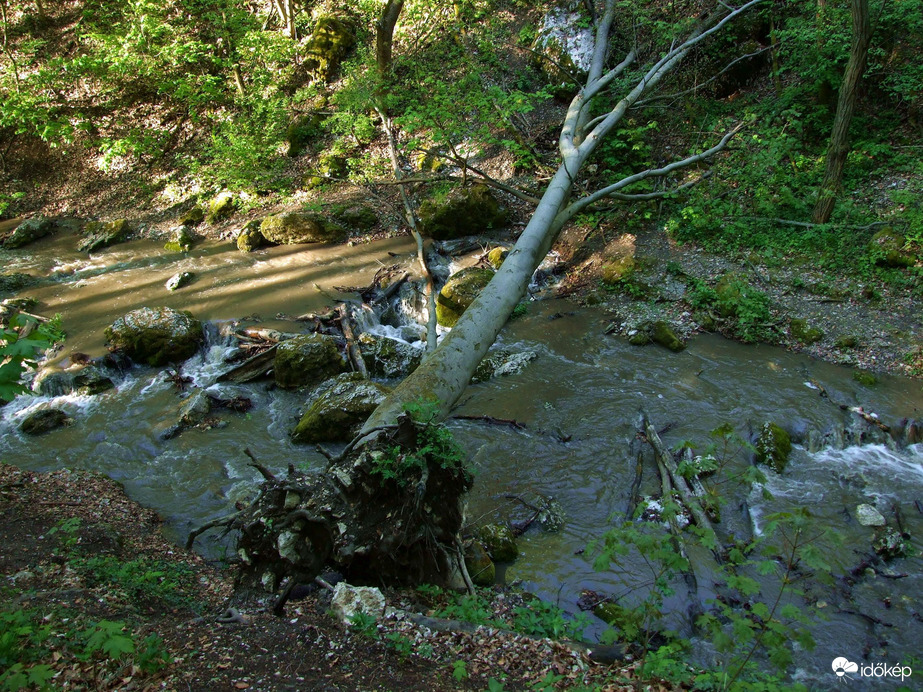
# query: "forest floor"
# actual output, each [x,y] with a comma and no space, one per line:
[107,603]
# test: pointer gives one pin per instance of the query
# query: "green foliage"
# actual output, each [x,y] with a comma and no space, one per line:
[459,670]
[142,579]
[747,307]
[18,352]
[363,623]
[543,619]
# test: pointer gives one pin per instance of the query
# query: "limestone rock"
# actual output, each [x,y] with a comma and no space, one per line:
[804,333]
[618,269]
[301,132]
[459,292]
[341,408]
[221,207]
[11,283]
[890,544]
[358,216]
[349,600]
[45,420]
[390,358]
[502,362]
[499,542]
[331,40]
[887,248]
[773,447]
[566,41]
[97,235]
[462,212]
[293,227]
[480,567]
[307,360]
[28,231]
[193,217]
[179,280]
[663,334]
[496,256]
[156,336]
[181,240]
[867,515]
[250,238]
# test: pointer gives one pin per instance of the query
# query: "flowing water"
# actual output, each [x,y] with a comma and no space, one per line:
[577,403]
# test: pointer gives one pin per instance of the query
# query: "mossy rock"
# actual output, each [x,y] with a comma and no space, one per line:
[193,217]
[97,235]
[385,357]
[847,341]
[330,167]
[28,232]
[640,337]
[44,421]
[301,132]
[729,291]
[663,334]
[479,565]
[864,377]
[156,336]
[331,40]
[250,238]
[307,360]
[621,618]
[179,280]
[341,407]
[500,362]
[13,283]
[464,211]
[291,228]
[562,48]
[496,256]
[773,447]
[459,292]
[804,333]
[887,248]
[181,240]
[618,269]
[359,216]
[221,207]
[499,542]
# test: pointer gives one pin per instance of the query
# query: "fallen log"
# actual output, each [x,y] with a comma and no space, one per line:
[251,369]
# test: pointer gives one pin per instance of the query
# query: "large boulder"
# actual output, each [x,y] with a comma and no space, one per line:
[341,408]
[563,46]
[307,360]
[250,238]
[462,212]
[888,248]
[500,362]
[294,227]
[28,231]
[97,235]
[221,207]
[459,292]
[45,420]
[330,41]
[386,357]
[499,542]
[773,447]
[156,336]
[181,240]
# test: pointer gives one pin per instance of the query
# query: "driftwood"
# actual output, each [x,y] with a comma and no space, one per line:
[352,346]
[252,368]
[494,421]
[868,417]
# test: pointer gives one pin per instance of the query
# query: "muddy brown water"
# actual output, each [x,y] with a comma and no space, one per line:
[578,402]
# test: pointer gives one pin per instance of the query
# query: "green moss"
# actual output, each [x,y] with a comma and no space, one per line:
[663,334]
[307,360]
[773,447]
[221,207]
[156,336]
[330,42]
[462,212]
[499,542]
[341,408]
[865,377]
[480,566]
[887,248]
[618,270]
[459,292]
[292,228]
[98,235]
[496,256]
[847,341]
[193,217]
[804,333]
[250,238]
[181,240]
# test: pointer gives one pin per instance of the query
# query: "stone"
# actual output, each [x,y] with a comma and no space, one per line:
[293,227]
[329,168]
[496,256]
[663,334]
[221,207]
[179,280]
[463,211]
[773,447]
[618,269]
[331,40]
[306,360]
[479,565]
[890,544]
[250,238]
[459,292]
[44,421]
[389,358]
[888,249]
[846,341]
[502,362]
[802,332]
[28,231]
[343,404]
[156,336]
[12,283]
[301,132]
[97,235]
[193,217]
[181,240]
[348,601]
[499,542]
[864,377]
[867,515]
[565,43]
[359,216]
[619,617]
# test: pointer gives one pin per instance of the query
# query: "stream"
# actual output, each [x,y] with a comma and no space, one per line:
[577,402]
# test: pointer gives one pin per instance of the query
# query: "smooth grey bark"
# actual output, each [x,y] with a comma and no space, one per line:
[444,374]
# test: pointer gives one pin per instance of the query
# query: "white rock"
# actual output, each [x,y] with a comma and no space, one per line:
[869,516]
[349,600]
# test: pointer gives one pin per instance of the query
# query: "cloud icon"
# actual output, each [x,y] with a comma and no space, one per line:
[841,666]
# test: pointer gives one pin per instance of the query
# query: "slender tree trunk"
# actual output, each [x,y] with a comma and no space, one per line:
[384,36]
[838,149]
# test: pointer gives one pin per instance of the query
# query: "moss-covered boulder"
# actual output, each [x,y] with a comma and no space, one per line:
[618,269]
[499,542]
[359,216]
[156,336]
[464,211]
[221,208]
[193,217]
[330,167]
[97,235]
[302,132]
[179,280]
[459,292]
[773,447]
[331,40]
[502,361]
[27,232]
[307,360]
[292,227]
[865,377]
[479,565]
[846,341]
[385,357]
[343,404]
[888,249]
[662,333]
[626,620]
[496,256]
[45,420]
[250,237]
[804,333]
[729,290]
[11,283]
[181,240]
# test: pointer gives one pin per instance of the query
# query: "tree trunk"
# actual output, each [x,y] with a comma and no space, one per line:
[838,149]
